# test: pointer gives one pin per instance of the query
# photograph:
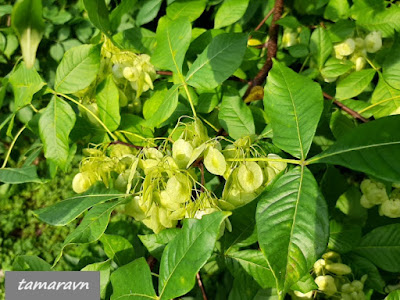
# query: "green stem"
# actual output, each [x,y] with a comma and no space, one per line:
[189,99]
[289,161]
[87,110]
[12,146]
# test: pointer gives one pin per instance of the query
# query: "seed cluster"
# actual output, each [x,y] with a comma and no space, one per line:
[164,181]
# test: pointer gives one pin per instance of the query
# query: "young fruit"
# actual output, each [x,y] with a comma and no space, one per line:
[82,182]
[338,268]
[345,48]
[250,176]
[182,152]
[373,41]
[214,161]
[326,284]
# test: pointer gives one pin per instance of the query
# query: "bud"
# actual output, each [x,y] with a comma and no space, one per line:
[338,268]
[301,296]
[345,48]
[373,41]
[331,256]
[326,284]
[374,191]
[254,42]
[357,285]
[214,161]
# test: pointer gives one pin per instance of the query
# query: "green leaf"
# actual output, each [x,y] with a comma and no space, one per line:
[55,125]
[391,65]
[292,224]
[78,68]
[386,99]
[305,284]
[294,105]
[137,126]
[104,268]
[166,108]
[222,57]
[125,288]
[191,9]
[148,11]
[343,237]
[30,263]
[371,148]
[254,263]
[173,39]
[98,15]
[187,253]
[107,99]
[361,266]
[19,175]
[335,70]
[340,123]
[394,295]
[382,247]
[28,23]
[320,46]
[236,117]
[124,7]
[244,232]
[386,21]
[229,12]
[337,9]
[25,83]
[117,248]
[354,84]
[64,212]
[155,243]
[92,226]
[138,40]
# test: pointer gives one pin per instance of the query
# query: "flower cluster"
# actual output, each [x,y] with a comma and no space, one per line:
[331,279]
[375,193]
[164,180]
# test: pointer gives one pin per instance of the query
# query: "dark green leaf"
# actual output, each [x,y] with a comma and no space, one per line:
[117,248]
[155,243]
[19,175]
[191,9]
[30,263]
[133,282]
[98,15]
[320,46]
[187,253]
[229,12]
[371,148]
[294,105]
[382,247]
[218,61]
[148,11]
[292,225]
[65,211]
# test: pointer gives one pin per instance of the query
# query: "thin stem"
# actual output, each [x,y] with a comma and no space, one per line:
[351,112]
[200,283]
[125,144]
[12,146]
[34,108]
[378,103]
[264,20]
[290,161]
[88,111]
[209,124]
[189,99]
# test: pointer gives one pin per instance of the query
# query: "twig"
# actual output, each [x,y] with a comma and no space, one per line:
[264,20]
[168,73]
[200,283]
[343,107]
[272,48]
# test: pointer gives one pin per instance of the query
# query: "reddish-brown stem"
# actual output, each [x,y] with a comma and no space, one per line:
[168,73]
[201,167]
[264,20]
[343,107]
[200,283]
[271,48]
[151,261]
